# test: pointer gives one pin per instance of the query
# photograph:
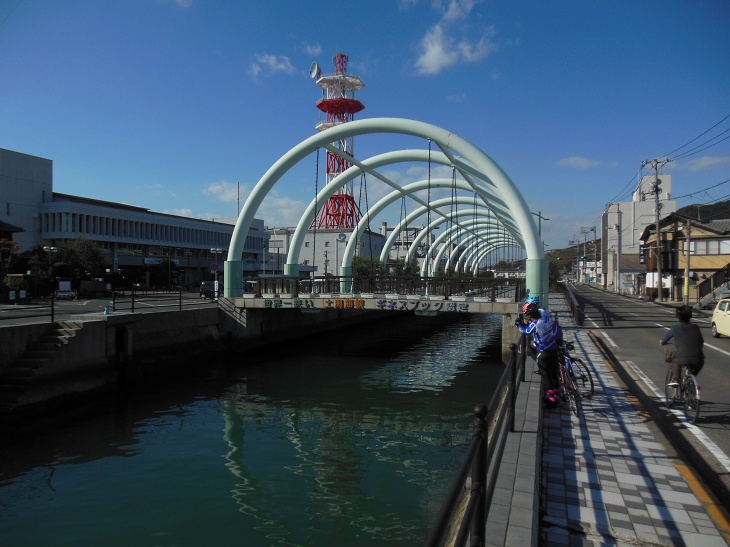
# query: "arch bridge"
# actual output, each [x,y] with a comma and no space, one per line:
[494,215]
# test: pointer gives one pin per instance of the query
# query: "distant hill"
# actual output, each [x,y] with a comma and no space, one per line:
[713,211]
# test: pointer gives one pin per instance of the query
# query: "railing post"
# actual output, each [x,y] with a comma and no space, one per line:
[53,308]
[133,291]
[114,300]
[179,299]
[479,476]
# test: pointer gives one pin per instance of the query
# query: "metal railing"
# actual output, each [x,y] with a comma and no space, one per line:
[708,286]
[148,300]
[412,285]
[465,511]
[45,308]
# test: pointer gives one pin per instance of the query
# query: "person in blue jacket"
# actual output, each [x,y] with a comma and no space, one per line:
[547,336]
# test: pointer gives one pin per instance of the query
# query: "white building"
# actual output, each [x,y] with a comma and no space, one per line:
[322,251]
[134,238]
[622,225]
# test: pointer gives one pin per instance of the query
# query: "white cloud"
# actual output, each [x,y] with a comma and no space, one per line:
[181,3]
[280,211]
[458,9]
[181,212]
[437,52]
[267,64]
[479,50]
[707,162]
[313,49]
[440,48]
[226,192]
[577,162]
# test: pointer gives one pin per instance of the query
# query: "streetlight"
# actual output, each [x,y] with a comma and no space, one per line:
[216,251]
[50,251]
[540,218]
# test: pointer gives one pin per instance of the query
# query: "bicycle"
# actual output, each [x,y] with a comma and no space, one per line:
[576,381]
[687,392]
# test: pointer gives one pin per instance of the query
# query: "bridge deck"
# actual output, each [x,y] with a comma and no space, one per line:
[382,302]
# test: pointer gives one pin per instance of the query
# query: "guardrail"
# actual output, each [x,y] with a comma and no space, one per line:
[465,512]
[574,306]
[136,300]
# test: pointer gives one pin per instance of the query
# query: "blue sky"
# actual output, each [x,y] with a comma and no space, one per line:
[179,105]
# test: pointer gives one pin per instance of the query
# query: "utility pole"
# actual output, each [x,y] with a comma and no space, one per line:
[687,242]
[576,242]
[585,231]
[656,190]
[617,283]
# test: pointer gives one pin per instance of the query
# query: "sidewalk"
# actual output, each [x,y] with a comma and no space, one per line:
[605,479]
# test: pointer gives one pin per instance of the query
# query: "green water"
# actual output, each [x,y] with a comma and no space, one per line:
[344,440]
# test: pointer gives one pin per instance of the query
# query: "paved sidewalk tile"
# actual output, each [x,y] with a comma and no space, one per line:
[605,479]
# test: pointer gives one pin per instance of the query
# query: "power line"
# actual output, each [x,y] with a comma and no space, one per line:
[10,12]
[695,149]
[701,191]
[697,137]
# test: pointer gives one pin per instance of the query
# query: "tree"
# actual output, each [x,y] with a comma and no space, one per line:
[553,272]
[80,258]
[406,269]
[367,266]
[8,248]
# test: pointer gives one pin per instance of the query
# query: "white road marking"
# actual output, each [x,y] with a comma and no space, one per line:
[706,344]
[696,431]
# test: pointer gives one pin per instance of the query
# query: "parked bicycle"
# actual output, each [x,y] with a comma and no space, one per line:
[686,392]
[576,381]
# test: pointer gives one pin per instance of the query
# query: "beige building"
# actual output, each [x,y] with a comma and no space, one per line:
[695,258]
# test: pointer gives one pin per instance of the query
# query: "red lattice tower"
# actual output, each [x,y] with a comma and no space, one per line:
[339,104]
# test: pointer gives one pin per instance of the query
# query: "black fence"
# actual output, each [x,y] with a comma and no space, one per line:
[464,514]
[150,300]
[43,309]
[50,308]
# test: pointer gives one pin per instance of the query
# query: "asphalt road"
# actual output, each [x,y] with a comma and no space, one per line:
[631,329]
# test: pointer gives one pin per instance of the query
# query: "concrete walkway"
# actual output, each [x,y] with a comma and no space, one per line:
[605,479]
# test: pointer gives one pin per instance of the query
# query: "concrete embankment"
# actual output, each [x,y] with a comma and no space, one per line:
[45,366]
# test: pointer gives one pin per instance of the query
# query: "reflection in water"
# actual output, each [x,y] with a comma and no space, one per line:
[353,442]
[333,447]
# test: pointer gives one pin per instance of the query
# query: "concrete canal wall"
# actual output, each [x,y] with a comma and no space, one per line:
[47,365]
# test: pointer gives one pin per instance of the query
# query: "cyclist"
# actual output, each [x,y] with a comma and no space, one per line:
[688,340]
[547,337]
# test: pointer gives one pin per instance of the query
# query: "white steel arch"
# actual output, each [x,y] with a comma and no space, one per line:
[477,168]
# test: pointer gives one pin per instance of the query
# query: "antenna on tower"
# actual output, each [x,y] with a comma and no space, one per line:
[314,71]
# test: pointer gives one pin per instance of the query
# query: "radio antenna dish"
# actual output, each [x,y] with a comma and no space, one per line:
[314,71]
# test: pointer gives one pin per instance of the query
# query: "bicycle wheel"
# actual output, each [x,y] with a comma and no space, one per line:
[571,392]
[691,399]
[583,379]
[670,393]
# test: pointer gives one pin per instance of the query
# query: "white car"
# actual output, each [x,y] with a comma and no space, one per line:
[721,318]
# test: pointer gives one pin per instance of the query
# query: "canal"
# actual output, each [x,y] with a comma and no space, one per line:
[347,439]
